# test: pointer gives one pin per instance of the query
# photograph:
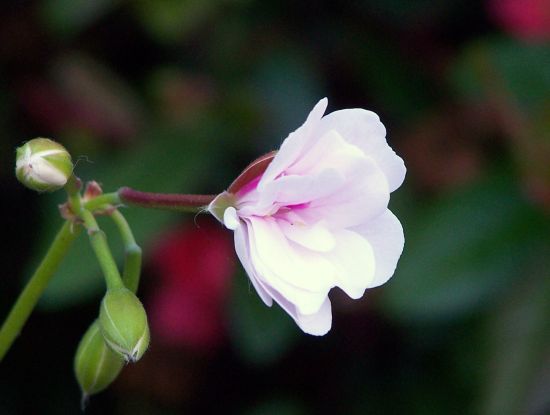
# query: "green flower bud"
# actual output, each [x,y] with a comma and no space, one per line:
[124,324]
[43,165]
[95,365]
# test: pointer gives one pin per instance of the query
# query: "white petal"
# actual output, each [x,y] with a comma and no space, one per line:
[319,323]
[243,252]
[329,151]
[341,201]
[44,172]
[364,196]
[354,259]
[315,237]
[364,129]
[294,190]
[295,144]
[230,218]
[301,276]
[385,235]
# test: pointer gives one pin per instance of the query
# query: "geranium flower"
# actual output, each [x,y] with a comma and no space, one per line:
[314,215]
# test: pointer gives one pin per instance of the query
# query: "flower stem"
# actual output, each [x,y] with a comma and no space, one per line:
[73,192]
[28,298]
[102,201]
[132,259]
[98,240]
[185,203]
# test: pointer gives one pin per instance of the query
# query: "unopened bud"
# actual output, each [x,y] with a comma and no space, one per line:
[124,324]
[43,165]
[96,366]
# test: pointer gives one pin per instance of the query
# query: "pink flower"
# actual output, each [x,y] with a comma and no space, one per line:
[315,215]
[195,267]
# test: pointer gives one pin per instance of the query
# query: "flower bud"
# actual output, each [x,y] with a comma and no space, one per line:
[43,165]
[95,365]
[124,324]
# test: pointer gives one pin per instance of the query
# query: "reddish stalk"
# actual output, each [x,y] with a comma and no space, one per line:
[164,201]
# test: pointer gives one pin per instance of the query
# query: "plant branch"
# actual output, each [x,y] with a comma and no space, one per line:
[98,240]
[28,298]
[132,259]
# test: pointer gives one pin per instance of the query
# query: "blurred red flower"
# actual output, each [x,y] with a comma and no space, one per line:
[194,267]
[526,19]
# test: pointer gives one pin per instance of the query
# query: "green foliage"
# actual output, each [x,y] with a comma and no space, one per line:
[170,20]
[490,68]
[69,17]
[518,338]
[463,250]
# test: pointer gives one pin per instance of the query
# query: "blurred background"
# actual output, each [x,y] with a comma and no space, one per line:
[179,96]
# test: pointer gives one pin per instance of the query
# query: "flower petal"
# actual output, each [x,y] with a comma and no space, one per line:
[354,260]
[295,144]
[230,218]
[317,324]
[364,129]
[315,237]
[301,276]
[45,172]
[243,252]
[385,235]
[342,199]
[364,196]
[295,190]
[330,151]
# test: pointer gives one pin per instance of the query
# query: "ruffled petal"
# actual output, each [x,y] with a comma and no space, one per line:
[330,151]
[315,237]
[353,257]
[364,196]
[364,129]
[317,323]
[301,276]
[294,190]
[295,144]
[354,195]
[385,235]
[243,252]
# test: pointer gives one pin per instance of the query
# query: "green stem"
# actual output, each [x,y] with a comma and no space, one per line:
[103,201]
[98,240]
[35,287]
[73,191]
[132,259]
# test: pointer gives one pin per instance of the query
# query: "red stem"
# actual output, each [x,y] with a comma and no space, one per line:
[163,200]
